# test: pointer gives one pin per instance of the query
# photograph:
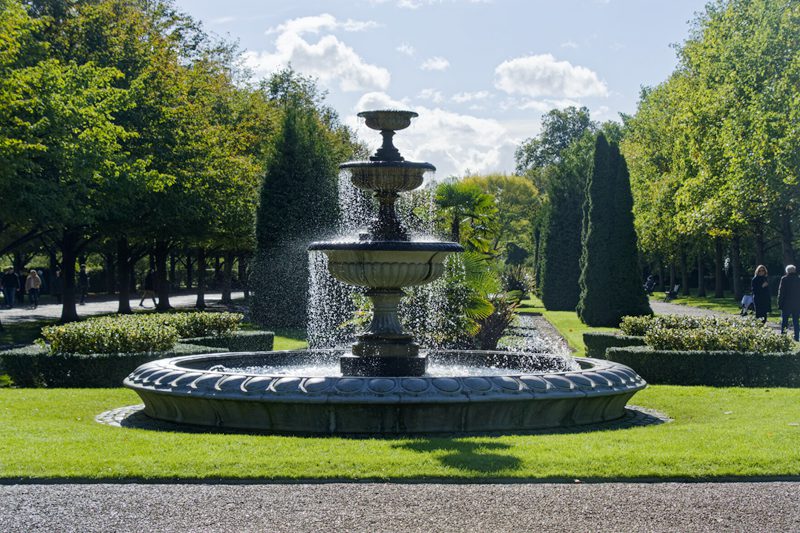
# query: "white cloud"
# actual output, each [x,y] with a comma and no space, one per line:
[569,44]
[455,143]
[469,97]
[435,63]
[431,94]
[317,23]
[542,75]
[328,59]
[406,49]
[416,4]
[542,106]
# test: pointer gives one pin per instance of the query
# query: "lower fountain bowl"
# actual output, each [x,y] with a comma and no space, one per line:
[515,395]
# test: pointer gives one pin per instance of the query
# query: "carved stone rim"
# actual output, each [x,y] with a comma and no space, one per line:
[174,377]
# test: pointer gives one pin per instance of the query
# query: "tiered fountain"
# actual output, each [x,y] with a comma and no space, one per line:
[383,384]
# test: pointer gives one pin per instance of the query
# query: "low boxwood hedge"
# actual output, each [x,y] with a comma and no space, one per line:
[33,366]
[240,341]
[720,368]
[597,342]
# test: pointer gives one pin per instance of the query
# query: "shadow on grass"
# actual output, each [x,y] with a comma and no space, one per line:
[476,457]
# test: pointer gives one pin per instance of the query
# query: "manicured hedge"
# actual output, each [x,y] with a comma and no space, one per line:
[240,341]
[198,324]
[110,334]
[720,368]
[638,326]
[32,366]
[597,342]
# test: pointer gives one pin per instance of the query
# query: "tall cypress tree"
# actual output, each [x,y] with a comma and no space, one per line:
[597,274]
[610,281]
[298,204]
[630,297]
[562,245]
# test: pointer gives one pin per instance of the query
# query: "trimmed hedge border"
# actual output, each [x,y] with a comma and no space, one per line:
[239,341]
[718,369]
[32,366]
[597,342]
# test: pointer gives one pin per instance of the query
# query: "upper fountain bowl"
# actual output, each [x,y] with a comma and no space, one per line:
[388,119]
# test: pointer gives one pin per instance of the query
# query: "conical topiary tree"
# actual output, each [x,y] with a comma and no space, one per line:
[299,202]
[630,297]
[562,245]
[610,281]
[597,275]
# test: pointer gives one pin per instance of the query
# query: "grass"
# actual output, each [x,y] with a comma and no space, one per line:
[566,322]
[717,433]
[726,305]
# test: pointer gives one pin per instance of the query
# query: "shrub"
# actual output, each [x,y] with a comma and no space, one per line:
[191,325]
[33,366]
[638,326]
[597,342]
[719,337]
[110,335]
[718,368]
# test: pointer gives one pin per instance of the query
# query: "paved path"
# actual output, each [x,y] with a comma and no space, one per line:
[376,507]
[666,308]
[99,306]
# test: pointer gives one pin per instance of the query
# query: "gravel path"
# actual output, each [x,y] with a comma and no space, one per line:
[99,306]
[666,308]
[376,507]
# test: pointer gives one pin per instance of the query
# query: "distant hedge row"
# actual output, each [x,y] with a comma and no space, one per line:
[33,366]
[717,368]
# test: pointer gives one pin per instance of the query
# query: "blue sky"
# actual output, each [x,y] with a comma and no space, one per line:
[479,72]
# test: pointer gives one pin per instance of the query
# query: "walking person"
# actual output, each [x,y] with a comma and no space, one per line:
[10,283]
[762,300]
[33,283]
[789,301]
[148,288]
[83,284]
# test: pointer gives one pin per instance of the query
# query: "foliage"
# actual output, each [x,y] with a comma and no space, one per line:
[238,341]
[715,368]
[518,278]
[140,333]
[34,366]
[110,335]
[715,338]
[639,326]
[468,212]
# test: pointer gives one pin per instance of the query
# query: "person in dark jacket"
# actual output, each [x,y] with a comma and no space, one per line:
[761,297]
[10,283]
[149,288]
[789,301]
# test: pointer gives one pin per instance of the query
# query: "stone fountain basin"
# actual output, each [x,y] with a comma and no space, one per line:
[387,176]
[186,390]
[386,264]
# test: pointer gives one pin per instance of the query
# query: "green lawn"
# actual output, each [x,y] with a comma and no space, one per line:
[717,433]
[726,305]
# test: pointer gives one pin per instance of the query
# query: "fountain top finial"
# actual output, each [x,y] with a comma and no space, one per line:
[388,119]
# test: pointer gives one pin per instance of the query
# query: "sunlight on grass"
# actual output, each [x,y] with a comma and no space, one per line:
[724,432]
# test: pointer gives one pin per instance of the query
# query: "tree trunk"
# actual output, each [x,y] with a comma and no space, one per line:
[69,253]
[201,278]
[111,277]
[684,274]
[51,275]
[661,276]
[787,236]
[243,275]
[162,284]
[189,273]
[124,276]
[172,281]
[227,278]
[455,228]
[719,269]
[736,268]
[701,280]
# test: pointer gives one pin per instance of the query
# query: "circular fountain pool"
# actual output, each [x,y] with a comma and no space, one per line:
[300,392]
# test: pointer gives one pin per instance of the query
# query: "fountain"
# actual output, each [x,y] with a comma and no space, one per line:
[384,384]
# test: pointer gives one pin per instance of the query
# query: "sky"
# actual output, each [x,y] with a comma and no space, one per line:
[480,73]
